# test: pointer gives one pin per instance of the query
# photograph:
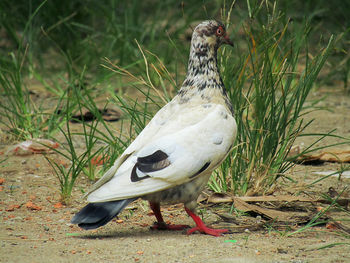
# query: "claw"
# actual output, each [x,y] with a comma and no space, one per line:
[201,227]
[207,230]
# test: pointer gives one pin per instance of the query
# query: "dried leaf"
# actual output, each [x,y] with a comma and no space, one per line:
[220,198]
[86,115]
[30,205]
[337,156]
[32,146]
[270,213]
[11,208]
[58,205]
[276,198]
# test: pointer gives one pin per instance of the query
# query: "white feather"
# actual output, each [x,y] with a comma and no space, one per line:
[191,136]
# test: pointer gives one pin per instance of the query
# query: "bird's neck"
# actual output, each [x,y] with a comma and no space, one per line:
[202,69]
[203,83]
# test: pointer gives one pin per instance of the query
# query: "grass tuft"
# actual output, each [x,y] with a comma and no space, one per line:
[268,90]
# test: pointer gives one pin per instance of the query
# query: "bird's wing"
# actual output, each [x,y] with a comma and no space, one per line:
[160,119]
[193,142]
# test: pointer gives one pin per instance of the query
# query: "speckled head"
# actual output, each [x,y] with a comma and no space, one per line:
[212,33]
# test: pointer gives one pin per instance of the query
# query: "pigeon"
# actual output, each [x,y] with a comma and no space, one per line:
[172,158]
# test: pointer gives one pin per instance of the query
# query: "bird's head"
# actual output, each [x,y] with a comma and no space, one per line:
[211,33]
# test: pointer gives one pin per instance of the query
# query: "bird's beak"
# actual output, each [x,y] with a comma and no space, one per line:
[226,40]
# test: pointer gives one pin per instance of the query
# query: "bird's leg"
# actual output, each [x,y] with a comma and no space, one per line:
[201,227]
[160,224]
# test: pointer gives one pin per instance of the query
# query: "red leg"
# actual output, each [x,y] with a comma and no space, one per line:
[201,227]
[160,224]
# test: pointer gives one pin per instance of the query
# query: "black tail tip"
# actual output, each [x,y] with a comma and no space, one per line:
[95,215]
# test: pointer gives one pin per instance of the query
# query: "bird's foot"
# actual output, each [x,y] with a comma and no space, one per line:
[165,226]
[206,230]
[201,227]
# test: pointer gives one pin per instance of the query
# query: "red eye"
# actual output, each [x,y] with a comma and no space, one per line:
[220,31]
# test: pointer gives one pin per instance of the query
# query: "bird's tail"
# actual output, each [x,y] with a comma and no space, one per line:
[95,215]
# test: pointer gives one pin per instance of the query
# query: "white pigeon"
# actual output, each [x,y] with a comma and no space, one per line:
[172,159]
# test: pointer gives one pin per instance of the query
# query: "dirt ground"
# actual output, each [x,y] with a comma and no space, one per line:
[35,226]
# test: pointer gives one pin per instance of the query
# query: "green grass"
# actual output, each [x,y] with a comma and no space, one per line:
[98,29]
[277,60]
[24,118]
[268,93]
[74,162]
[19,114]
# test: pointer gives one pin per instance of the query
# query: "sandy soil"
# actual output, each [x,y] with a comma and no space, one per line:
[35,227]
